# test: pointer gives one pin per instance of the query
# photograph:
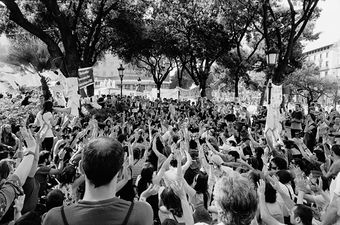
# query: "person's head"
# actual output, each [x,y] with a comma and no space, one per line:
[47,107]
[5,170]
[337,120]
[270,193]
[55,198]
[301,214]
[7,129]
[284,176]
[236,198]
[278,163]
[320,155]
[102,159]
[336,151]
[169,222]
[172,202]
[233,156]
[202,216]
[44,157]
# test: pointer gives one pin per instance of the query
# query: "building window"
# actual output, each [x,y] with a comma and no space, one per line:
[326,73]
[320,55]
[326,54]
[326,63]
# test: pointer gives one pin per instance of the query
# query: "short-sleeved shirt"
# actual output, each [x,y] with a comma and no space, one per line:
[9,191]
[107,212]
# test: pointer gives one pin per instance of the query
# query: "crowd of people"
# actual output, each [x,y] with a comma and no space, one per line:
[129,160]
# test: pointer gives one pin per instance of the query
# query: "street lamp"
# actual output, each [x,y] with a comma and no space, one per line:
[139,84]
[121,75]
[271,57]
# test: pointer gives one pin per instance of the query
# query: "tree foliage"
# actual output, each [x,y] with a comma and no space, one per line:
[306,82]
[284,24]
[75,32]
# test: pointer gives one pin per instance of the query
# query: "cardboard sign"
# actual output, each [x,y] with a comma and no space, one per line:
[85,77]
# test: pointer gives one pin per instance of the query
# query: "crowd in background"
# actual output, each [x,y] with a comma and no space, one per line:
[129,160]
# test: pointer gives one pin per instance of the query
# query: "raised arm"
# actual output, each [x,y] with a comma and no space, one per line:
[265,215]
[22,170]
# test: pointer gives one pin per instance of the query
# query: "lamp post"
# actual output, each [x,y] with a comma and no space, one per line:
[139,84]
[271,58]
[121,75]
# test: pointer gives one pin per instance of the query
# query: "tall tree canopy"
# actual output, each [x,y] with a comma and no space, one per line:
[284,24]
[75,32]
[307,83]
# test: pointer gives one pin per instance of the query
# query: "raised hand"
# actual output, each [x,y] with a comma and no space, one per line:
[151,190]
[178,189]
[28,137]
[19,203]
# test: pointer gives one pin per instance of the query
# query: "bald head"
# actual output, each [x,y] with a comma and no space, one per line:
[102,159]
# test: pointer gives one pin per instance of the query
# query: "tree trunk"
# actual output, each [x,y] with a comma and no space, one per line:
[236,87]
[203,87]
[159,91]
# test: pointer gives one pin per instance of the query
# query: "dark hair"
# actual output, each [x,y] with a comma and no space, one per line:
[136,153]
[270,193]
[43,155]
[201,186]
[54,198]
[146,178]
[169,222]
[235,154]
[336,149]
[192,144]
[172,202]
[280,163]
[121,138]
[97,160]
[320,155]
[174,163]
[47,107]
[4,170]
[68,174]
[305,213]
[284,176]
[259,152]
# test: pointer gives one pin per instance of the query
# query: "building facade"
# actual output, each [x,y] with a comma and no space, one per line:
[327,58]
[107,80]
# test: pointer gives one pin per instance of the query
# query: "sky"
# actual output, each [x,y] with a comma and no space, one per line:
[327,24]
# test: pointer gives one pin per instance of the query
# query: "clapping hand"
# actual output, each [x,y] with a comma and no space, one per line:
[151,190]
[28,137]
[178,189]
[19,203]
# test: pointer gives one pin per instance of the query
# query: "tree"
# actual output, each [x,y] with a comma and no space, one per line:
[75,32]
[199,37]
[284,25]
[306,82]
[183,81]
[146,44]
[241,59]
[30,53]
